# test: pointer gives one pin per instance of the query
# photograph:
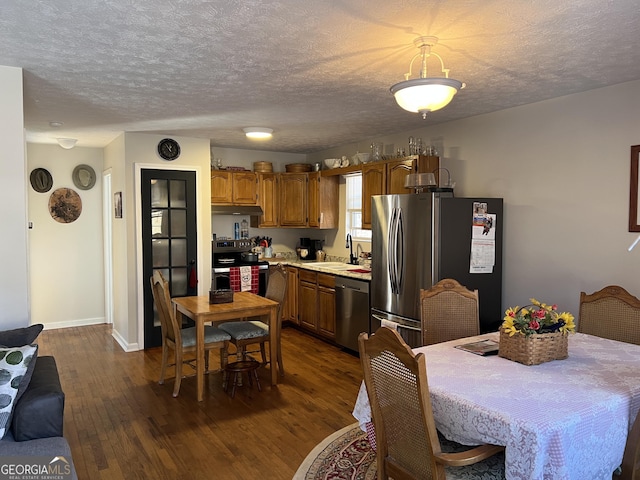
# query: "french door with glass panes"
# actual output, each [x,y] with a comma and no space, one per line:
[169,242]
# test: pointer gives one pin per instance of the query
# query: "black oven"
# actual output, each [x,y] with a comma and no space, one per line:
[227,254]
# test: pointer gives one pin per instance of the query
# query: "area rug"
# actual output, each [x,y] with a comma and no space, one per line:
[347,455]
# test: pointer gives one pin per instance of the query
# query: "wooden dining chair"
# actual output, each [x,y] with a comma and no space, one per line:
[611,313]
[250,332]
[182,340]
[407,441]
[448,311]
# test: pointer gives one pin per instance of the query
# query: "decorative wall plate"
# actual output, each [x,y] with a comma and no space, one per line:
[65,205]
[41,180]
[84,177]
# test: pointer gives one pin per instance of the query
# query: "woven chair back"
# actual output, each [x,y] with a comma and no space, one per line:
[611,313]
[162,302]
[396,383]
[448,311]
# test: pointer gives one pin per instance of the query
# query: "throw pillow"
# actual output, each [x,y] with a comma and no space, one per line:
[14,362]
[20,336]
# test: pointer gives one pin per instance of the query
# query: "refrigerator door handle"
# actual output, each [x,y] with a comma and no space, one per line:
[399,250]
[390,251]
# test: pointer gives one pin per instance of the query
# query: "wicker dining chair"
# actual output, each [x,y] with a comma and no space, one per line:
[182,340]
[407,441]
[611,313]
[250,332]
[448,311]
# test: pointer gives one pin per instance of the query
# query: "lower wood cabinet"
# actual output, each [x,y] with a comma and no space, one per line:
[291,300]
[316,302]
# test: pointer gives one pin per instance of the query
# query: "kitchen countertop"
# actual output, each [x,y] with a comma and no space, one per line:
[319,267]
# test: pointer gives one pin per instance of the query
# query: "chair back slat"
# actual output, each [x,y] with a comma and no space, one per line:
[611,313]
[162,301]
[277,286]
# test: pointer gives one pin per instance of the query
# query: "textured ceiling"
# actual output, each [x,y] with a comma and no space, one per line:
[317,72]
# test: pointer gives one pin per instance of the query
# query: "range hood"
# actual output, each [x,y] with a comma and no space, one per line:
[236,210]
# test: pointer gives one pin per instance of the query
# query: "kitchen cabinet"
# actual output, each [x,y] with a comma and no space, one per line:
[388,177]
[233,188]
[293,199]
[268,200]
[290,306]
[316,303]
[323,200]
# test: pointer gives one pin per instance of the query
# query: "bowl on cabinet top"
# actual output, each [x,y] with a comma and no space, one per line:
[363,157]
[332,162]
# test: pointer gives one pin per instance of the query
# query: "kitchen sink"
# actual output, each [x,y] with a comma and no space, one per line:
[338,266]
[332,265]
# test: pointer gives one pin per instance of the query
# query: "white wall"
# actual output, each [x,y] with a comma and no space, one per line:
[562,167]
[66,259]
[14,288]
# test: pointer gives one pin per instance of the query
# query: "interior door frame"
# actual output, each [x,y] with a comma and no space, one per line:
[107,239]
[138,167]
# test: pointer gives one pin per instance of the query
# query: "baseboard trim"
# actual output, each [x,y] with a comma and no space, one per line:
[127,347]
[73,323]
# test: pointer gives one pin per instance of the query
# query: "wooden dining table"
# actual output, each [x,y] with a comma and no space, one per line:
[244,305]
[561,420]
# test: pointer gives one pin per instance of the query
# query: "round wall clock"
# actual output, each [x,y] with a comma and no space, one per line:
[168,149]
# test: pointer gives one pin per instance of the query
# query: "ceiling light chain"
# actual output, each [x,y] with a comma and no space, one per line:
[424,94]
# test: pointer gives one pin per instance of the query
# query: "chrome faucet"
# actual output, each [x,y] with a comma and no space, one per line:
[353,260]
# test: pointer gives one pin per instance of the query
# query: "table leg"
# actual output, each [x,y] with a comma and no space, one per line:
[273,345]
[200,357]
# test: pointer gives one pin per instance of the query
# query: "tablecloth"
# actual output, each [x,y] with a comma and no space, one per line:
[561,420]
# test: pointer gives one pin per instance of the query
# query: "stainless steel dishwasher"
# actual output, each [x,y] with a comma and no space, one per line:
[352,311]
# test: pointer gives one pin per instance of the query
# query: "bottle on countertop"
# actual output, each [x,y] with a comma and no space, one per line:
[236,231]
[244,229]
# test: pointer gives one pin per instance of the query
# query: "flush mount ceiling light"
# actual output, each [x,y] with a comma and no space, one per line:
[67,142]
[258,133]
[425,94]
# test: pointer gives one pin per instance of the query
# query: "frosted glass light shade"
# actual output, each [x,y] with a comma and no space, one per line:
[258,133]
[424,95]
[67,142]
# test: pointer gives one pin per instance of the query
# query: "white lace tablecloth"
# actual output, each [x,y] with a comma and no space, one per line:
[561,420]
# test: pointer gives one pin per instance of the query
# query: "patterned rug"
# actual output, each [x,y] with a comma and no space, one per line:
[347,455]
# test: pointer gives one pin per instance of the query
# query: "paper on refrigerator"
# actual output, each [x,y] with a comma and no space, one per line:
[483,240]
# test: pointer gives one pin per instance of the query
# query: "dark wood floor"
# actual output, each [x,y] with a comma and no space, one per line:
[121,424]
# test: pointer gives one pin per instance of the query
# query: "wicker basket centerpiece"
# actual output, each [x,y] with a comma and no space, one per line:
[535,334]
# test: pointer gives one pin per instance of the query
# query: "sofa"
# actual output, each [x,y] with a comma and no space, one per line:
[32,423]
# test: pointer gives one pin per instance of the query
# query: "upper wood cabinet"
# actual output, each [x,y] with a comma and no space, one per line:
[293,199]
[268,200]
[374,179]
[388,177]
[234,188]
[323,201]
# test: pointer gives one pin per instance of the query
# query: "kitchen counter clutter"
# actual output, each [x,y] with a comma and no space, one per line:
[342,269]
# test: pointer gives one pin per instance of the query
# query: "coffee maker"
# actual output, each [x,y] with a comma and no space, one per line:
[307,248]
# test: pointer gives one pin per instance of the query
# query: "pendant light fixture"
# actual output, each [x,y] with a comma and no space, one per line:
[425,94]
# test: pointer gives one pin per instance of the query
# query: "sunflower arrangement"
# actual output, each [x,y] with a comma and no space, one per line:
[537,318]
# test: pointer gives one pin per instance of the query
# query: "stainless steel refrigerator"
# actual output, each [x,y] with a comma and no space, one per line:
[419,239]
